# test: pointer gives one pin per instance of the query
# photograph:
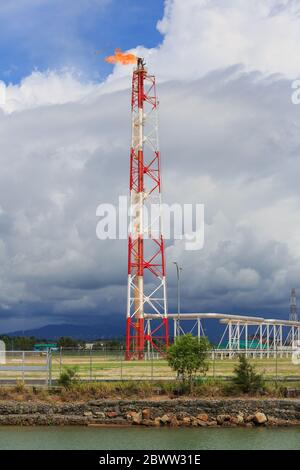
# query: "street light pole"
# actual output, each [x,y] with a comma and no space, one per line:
[178,272]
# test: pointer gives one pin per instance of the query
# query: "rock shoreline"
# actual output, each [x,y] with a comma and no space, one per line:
[155,413]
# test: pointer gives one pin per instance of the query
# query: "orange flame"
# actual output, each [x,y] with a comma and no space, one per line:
[121,58]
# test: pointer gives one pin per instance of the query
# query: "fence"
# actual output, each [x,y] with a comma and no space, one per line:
[25,366]
[110,365]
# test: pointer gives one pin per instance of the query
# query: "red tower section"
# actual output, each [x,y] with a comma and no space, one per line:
[146,254]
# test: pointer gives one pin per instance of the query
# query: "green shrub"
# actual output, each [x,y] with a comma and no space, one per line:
[246,379]
[20,386]
[68,377]
[188,356]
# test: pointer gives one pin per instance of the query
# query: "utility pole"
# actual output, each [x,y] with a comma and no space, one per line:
[178,273]
[293,306]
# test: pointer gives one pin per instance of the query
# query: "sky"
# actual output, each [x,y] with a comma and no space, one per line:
[229,136]
[57,34]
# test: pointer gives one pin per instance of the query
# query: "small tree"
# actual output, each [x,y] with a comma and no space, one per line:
[68,377]
[246,378]
[188,355]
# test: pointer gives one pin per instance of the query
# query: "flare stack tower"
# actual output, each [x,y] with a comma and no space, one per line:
[146,250]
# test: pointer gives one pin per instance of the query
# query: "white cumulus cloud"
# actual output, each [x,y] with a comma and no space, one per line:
[205,35]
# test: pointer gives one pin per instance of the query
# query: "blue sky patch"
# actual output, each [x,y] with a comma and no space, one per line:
[55,34]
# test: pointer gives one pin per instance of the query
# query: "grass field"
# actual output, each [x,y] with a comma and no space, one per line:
[116,368]
[112,366]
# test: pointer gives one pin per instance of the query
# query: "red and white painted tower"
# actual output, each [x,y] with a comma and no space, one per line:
[146,252]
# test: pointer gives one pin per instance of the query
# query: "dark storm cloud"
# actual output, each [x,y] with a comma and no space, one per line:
[227,145]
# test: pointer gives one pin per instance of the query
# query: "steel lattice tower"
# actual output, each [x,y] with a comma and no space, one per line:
[293,306]
[146,254]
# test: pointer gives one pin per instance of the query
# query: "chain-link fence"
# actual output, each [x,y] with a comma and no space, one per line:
[110,365]
[26,367]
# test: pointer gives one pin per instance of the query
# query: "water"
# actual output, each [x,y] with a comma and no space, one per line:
[69,438]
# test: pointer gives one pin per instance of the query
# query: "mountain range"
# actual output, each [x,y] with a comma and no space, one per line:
[109,327]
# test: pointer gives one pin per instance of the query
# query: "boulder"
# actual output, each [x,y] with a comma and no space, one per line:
[130,415]
[234,420]
[202,423]
[111,414]
[202,416]
[174,422]
[137,418]
[186,421]
[260,418]
[146,413]
[249,419]
[222,418]
[165,419]
[239,419]
[212,423]
[87,413]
